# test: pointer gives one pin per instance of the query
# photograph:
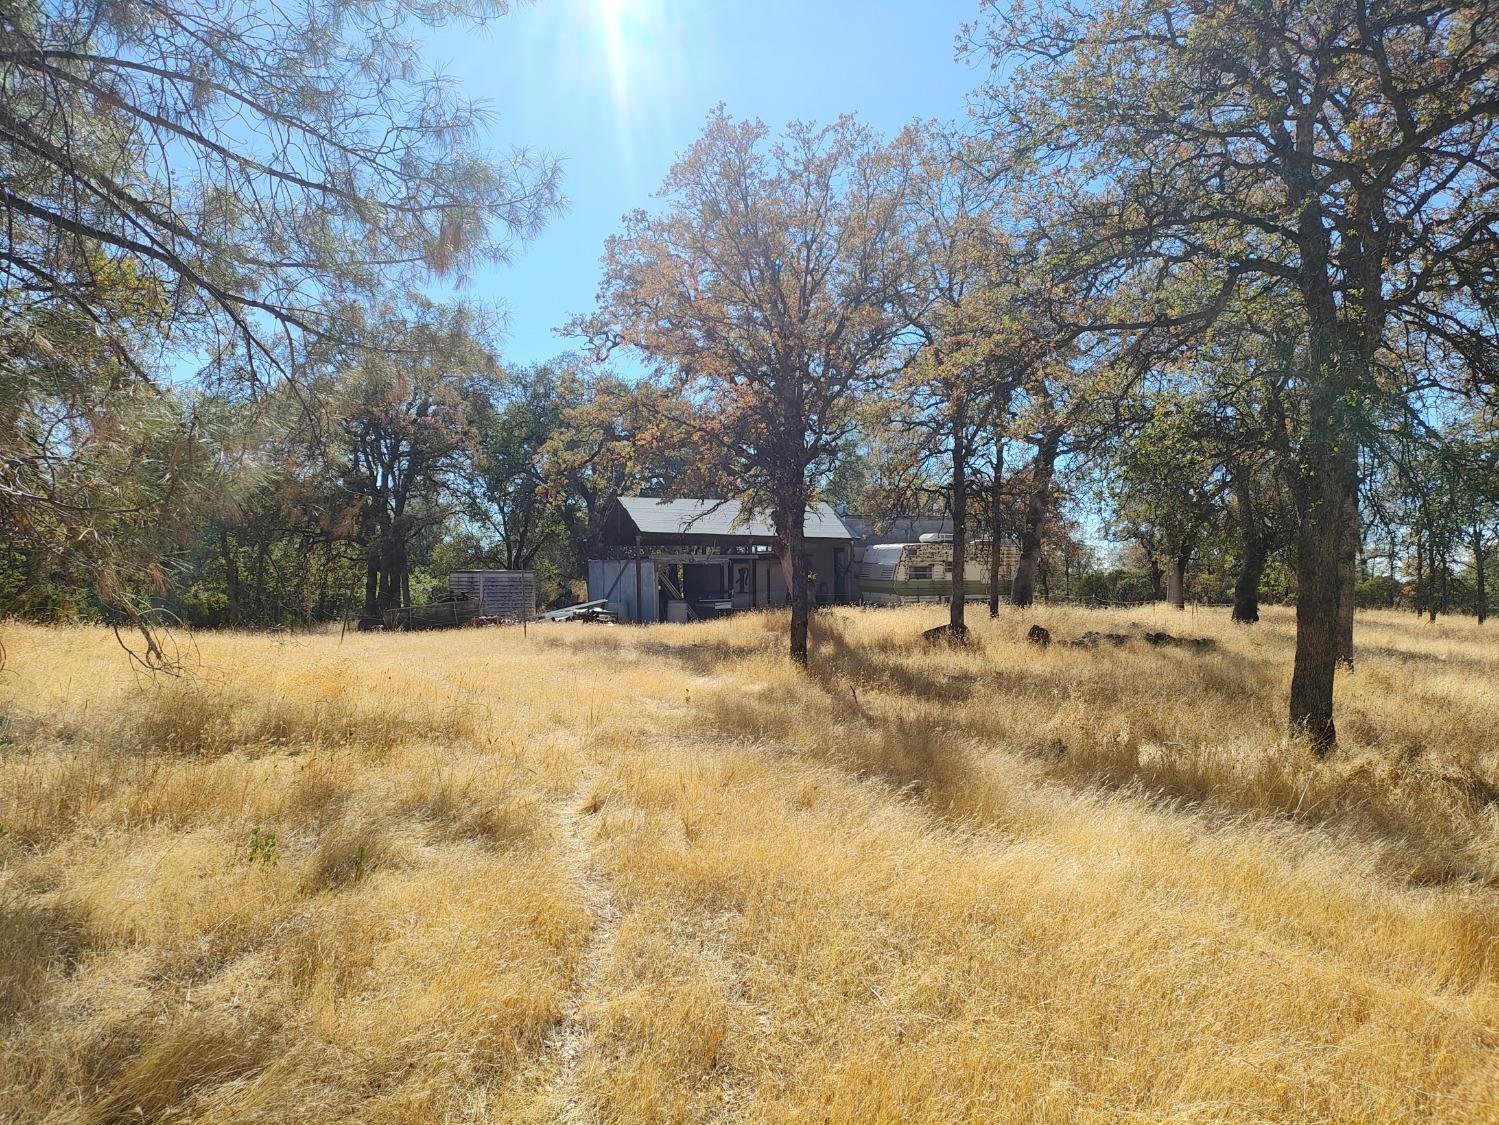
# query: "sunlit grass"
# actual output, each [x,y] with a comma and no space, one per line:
[608,874]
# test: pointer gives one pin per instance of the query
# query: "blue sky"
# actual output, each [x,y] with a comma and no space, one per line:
[617,88]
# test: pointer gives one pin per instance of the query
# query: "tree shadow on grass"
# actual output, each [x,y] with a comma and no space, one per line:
[1433,829]
[839,667]
[41,943]
[697,657]
[1455,661]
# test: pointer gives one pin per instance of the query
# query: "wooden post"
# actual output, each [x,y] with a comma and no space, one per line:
[639,612]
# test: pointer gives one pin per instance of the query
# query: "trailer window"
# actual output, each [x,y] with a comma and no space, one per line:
[921,573]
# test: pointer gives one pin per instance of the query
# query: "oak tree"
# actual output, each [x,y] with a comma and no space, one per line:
[1343,153]
[763,291]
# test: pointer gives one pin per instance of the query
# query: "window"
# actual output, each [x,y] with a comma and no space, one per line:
[921,573]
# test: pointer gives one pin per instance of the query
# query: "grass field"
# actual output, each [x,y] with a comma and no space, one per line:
[593,874]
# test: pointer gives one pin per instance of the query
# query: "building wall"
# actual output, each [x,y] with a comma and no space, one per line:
[614,579]
[767,586]
[753,582]
[508,594]
[758,582]
[821,561]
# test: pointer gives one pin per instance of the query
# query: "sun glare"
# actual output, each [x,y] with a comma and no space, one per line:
[616,18]
[615,9]
[622,25]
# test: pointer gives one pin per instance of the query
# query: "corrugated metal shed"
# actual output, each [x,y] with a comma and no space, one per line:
[721,518]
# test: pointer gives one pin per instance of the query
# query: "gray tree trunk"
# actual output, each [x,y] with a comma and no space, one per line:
[996,501]
[791,530]
[1482,591]
[1023,592]
[1351,531]
[1246,609]
[958,598]
[1327,491]
[1176,579]
[372,584]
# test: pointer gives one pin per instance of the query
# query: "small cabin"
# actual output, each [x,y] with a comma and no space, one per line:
[689,560]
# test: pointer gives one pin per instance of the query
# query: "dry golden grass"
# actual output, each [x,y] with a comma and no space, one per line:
[592,874]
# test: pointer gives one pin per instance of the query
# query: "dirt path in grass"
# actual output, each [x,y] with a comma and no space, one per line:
[569,1040]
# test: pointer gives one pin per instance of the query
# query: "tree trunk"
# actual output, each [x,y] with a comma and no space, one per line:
[996,501]
[1340,359]
[958,599]
[790,519]
[1176,578]
[1352,536]
[1157,578]
[1023,592]
[372,584]
[1394,587]
[1247,589]
[996,531]
[1023,589]
[1246,609]
[1481,593]
[392,568]
[1419,598]
[1321,578]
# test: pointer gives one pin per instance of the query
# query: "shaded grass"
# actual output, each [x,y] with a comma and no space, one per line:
[1206,728]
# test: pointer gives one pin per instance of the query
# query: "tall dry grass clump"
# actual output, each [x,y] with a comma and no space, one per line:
[594,874]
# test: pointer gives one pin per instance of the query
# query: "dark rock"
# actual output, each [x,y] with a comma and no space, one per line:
[1039,635]
[1092,638]
[1166,640]
[946,635]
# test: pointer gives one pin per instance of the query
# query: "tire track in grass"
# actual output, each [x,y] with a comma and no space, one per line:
[567,1043]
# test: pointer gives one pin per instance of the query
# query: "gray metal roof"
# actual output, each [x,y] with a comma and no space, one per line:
[902,529]
[910,529]
[721,518]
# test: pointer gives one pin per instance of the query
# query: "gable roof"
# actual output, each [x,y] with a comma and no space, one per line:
[652,516]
